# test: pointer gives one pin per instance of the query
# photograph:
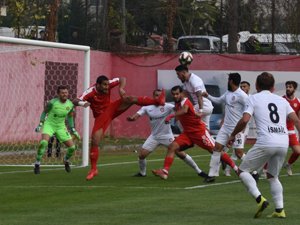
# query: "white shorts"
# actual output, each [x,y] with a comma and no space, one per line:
[151,143]
[257,157]
[223,136]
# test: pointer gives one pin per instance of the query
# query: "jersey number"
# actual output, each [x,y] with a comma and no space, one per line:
[274,116]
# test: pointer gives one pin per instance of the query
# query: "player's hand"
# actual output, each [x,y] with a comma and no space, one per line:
[204,94]
[39,127]
[230,141]
[76,134]
[168,118]
[130,118]
[86,104]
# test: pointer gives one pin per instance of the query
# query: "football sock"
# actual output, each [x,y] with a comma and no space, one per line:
[143,101]
[293,158]
[276,192]
[250,184]
[70,151]
[214,164]
[94,154]
[189,160]
[226,158]
[168,163]
[41,150]
[142,165]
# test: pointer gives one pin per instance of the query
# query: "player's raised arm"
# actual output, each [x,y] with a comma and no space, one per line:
[134,117]
[122,85]
[79,102]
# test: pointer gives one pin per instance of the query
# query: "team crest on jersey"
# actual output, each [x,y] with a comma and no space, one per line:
[162,109]
[233,98]
[295,105]
[67,108]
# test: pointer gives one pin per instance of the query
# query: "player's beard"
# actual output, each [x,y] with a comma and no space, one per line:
[289,93]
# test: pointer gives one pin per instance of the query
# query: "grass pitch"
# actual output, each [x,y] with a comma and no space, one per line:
[114,197]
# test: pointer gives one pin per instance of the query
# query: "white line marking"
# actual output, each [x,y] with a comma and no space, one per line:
[99,165]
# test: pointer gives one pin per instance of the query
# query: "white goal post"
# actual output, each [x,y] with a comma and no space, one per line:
[6,41]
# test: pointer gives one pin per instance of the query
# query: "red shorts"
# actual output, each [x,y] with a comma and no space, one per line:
[202,138]
[104,119]
[293,140]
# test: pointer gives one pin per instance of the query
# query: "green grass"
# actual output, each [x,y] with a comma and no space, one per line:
[114,197]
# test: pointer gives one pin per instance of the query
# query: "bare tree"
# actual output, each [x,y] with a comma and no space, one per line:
[232,26]
[171,15]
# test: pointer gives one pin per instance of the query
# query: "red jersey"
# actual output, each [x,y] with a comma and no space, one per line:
[189,121]
[99,101]
[295,104]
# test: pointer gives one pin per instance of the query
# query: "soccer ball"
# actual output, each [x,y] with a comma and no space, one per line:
[185,58]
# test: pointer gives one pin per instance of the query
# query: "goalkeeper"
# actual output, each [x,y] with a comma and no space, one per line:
[52,121]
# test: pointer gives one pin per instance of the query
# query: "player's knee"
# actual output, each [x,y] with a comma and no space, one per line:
[44,143]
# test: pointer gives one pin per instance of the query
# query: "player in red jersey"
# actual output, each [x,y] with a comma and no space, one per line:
[105,110]
[194,132]
[291,87]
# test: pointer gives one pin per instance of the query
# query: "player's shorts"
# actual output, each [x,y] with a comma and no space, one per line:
[293,139]
[257,157]
[104,119]
[151,143]
[61,133]
[201,138]
[223,136]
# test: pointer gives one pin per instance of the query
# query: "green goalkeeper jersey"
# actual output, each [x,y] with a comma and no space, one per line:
[57,112]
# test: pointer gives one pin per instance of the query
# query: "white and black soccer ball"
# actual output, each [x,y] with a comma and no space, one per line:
[185,58]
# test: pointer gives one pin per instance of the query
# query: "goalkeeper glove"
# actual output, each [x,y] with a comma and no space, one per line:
[39,127]
[75,133]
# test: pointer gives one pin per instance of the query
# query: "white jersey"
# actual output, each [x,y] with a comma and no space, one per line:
[270,112]
[235,104]
[193,85]
[157,116]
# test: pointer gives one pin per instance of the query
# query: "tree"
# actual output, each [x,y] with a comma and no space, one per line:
[51,26]
[233,26]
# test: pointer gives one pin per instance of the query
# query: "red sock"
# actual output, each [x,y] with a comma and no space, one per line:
[94,154]
[293,158]
[143,101]
[226,158]
[168,163]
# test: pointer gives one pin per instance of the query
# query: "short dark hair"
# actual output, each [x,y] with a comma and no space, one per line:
[235,77]
[265,81]
[181,68]
[245,82]
[61,87]
[177,87]
[293,83]
[155,90]
[101,78]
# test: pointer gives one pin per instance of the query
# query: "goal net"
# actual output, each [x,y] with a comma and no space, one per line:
[31,71]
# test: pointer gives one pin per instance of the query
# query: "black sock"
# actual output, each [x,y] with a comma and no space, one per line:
[279,210]
[258,199]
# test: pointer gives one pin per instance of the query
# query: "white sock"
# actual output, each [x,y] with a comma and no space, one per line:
[277,192]
[189,160]
[250,184]
[142,165]
[214,164]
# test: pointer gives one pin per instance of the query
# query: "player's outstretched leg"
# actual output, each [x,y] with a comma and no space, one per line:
[143,101]
[41,150]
